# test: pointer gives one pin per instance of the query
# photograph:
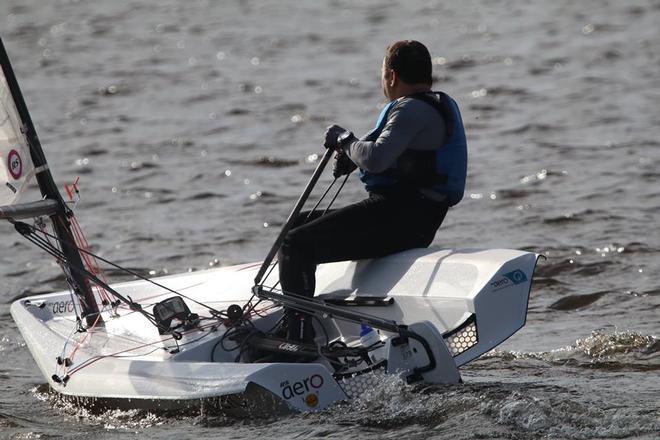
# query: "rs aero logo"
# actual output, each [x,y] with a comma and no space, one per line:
[308,385]
[15,164]
[509,279]
[61,307]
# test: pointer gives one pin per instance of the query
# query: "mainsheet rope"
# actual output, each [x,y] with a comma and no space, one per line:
[312,211]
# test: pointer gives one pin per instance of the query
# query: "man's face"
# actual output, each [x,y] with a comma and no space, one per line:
[385,78]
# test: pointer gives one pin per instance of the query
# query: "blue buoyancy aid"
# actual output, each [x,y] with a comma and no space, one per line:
[450,157]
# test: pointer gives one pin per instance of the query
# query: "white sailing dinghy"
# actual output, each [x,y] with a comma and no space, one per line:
[170,342]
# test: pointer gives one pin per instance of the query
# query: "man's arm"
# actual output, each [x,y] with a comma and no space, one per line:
[403,124]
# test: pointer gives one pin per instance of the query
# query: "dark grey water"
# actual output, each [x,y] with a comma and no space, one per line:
[193,126]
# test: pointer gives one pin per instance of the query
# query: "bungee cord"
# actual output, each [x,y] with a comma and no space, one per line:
[325,193]
[211,327]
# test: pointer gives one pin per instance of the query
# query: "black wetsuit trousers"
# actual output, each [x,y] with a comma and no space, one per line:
[382,224]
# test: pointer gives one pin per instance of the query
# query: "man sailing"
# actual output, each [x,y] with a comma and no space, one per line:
[413,165]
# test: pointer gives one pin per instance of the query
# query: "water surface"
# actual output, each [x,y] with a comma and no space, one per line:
[194,125]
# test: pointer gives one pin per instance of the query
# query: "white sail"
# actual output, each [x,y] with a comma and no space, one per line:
[16,168]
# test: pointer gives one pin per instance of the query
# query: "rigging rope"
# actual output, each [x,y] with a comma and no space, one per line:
[123,269]
[311,212]
[28,232]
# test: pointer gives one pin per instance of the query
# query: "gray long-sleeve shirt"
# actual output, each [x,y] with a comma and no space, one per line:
[411,124]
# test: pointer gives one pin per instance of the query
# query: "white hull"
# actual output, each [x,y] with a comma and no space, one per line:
[433,291]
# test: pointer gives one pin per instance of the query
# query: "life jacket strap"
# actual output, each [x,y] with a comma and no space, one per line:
[442,106]
[415,167]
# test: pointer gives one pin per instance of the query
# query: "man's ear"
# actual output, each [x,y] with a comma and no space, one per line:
[393,78]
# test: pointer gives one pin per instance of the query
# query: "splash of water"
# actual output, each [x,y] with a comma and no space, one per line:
[600,346]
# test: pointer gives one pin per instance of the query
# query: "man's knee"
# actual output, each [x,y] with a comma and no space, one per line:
[301,219]
[296,243]
[292,252]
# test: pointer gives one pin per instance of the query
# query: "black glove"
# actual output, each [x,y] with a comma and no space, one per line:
[336,136]
[343,165]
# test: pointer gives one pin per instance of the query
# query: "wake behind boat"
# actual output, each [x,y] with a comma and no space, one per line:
[213,335]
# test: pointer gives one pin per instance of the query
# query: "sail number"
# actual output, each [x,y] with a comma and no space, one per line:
[15,164]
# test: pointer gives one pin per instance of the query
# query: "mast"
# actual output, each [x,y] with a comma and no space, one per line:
[60,220]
